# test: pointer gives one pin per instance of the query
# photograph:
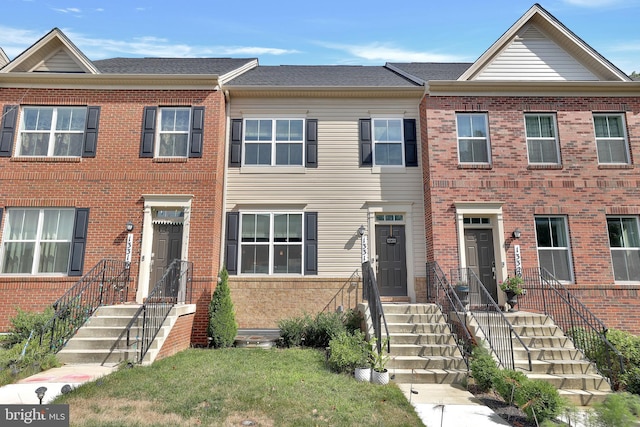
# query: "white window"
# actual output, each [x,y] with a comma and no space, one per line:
[173,132]
[553,246]
[542,140]
[52,131]
[473,138]
[624,242]
[388,142]
[37,241]
[611,138]
[273,142]
[271,243]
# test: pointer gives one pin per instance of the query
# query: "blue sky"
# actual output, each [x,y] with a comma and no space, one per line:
[310,32]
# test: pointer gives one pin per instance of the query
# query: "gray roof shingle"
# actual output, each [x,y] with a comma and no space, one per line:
[433,70]
[214,66]
[321,76]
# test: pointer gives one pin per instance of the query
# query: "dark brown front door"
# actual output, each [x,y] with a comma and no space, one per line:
[167,246]
[392,260]
[480,257]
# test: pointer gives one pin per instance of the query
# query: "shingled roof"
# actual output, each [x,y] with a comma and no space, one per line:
[213,66]
[426,71]
[321,76]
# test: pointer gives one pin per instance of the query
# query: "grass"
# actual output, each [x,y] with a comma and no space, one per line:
[275,387]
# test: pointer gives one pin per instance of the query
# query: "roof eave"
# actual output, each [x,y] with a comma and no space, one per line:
[326,91]
[527,88]
[79,80]
[224,78]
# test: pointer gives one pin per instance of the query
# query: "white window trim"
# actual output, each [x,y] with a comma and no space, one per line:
[273,143]
[487,139]
[160,132]
[375,142]
[37,241]
[271,243]
[626,138]
[555,138]
[52,131]
[557,248]
[624,248]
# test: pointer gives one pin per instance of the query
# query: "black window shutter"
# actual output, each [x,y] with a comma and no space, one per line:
[410,143]
[197,126]
[235,154]
[366,159]
[8,129]
[0,220]
[312,143]
[79,242]
[148,131]
[91,132]
[231,245]
[311,243]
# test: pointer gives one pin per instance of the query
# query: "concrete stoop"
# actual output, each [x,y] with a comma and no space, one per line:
[103,338]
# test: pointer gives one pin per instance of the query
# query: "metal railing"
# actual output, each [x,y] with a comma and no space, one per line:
[106,283]
[347,296]
[371,294]
[497,330]
[544,293]
[441,293]
[175,287]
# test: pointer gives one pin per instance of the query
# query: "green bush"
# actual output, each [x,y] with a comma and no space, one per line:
[507,382]
[483,368]
[322,329]
[292,330]
[348,351]
[14,364]
[26,321]
[222,321]
[617,410]
[539,400]
[353,320]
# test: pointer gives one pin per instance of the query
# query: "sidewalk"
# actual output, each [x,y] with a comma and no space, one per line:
[24,391]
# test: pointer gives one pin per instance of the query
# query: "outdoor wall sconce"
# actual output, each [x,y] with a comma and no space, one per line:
[516,233]
[361,230]
[129,226]
[40,391]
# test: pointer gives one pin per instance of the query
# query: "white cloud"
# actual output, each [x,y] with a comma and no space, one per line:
[67,10]
[387,52]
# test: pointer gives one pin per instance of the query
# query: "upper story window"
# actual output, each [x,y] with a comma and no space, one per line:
[273,142]
[624,241]
[473,138]
[542,140]
[172,132]
[553,246]
[611,138]
[387,142]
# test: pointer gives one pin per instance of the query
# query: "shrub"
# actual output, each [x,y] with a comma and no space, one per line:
[618,409]
[322,329]
[539,400]
[483,368]
[506,383]
[292,330]
[353,320]
[222,322]
[348,351]
[26,358]
[24,322]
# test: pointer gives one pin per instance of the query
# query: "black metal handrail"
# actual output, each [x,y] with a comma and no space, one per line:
[588,333]
[452,307]
[175,287]
[106,283]
[497,330]
[372,295]
[347,296]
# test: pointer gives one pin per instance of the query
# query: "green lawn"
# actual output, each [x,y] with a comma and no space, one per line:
[291,387]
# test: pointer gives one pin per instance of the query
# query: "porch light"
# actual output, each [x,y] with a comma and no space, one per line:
[129,226]
[40,391]
[516,233]
[361,230]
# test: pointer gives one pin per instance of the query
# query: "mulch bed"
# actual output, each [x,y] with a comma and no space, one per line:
[511,414]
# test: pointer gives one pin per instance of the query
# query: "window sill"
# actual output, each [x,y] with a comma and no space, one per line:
[484,166]
[544,167]
[388,169]
[615,166]
[14,278]
[169,160]
[45,159]
[273,169]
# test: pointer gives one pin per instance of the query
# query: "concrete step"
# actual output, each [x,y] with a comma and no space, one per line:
[414,318]
[538,330]
[549,353]
[430,362]
[584,397]
[428,376]
[573,381]
[449,350]
[117,310]
[557,367]
[418,328]
[120,321]
[422,339]
[410,309]
[545,342]
[96,356]
[527,318]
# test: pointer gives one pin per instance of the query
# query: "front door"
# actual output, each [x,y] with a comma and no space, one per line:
[392,260]
[167,246]
[480,257]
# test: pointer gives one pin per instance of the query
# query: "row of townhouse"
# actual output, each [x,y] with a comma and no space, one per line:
[524,158]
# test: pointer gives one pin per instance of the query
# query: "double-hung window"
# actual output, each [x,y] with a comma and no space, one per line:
[387,142]
[170,133]
[37,241]
[52,131]
[271,243]
[542,140]
[624,241]
[273,142]
[473,138]
[553,246]
[611,138]
[173,132]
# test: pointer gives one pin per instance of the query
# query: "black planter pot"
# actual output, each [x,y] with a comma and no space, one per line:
[512,300]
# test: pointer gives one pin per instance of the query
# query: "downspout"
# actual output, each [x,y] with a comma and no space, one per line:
[227,118]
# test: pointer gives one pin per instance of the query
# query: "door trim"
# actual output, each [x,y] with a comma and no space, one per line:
[181,201]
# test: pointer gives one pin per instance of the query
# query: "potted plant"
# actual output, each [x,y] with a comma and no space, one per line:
[462,289]
[512,286]
[362,371]
[379,374]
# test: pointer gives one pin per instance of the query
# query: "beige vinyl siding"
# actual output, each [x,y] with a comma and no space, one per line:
[339,189]
[60,62]
[533,56]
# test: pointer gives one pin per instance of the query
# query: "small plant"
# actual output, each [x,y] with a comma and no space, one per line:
[353,320]
[507,382]
[539,400]
[483,368]
[222,321]
[292,330]
[618,409]
[379,359]
[512,284]
[348,351]
[322,329]
[26,321]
